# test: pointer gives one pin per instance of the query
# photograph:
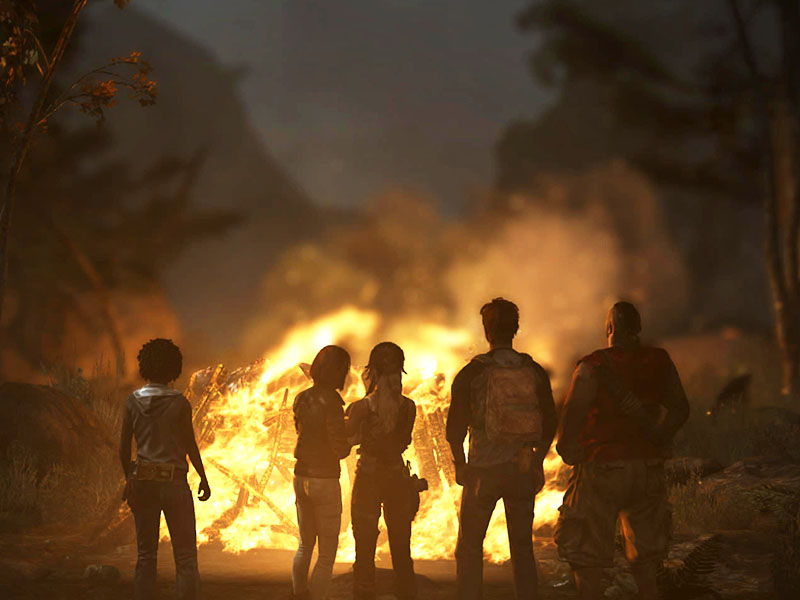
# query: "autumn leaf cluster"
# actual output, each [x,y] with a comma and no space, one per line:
[19,48]
[22,54]
[97,90]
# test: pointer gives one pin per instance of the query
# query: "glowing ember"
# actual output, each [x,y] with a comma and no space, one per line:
[246,433]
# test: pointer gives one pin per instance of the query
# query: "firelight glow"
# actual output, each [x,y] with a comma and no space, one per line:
[249,455]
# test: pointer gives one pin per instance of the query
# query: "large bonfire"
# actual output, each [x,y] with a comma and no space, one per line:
[244,425]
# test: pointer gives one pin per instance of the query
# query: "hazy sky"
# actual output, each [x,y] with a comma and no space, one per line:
[353,97]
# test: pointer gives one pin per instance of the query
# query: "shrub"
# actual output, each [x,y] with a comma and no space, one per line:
[23,490]
[784,503]
[726,439]
[79,489]
[697,511]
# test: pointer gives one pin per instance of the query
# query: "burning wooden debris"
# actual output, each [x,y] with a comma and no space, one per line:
[244,426]
[212,386]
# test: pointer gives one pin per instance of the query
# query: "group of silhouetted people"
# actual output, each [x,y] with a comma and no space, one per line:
[624,405]
[381,425]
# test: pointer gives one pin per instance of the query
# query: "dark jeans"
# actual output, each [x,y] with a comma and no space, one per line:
[319,518]
[175,499]
[387,488]
[485,486]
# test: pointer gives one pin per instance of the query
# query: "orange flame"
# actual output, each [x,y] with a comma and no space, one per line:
[248,453]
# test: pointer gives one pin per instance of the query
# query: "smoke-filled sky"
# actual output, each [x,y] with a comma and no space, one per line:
[306,104]
[354,97]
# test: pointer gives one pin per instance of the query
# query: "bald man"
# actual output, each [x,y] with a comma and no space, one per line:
[624,406]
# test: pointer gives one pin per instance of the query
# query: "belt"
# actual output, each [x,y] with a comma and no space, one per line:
[151,471]
[371,463]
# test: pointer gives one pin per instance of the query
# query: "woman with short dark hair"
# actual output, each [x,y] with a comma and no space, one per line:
[321,444]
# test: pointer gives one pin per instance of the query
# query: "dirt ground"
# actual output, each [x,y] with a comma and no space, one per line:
[735,565]
[38,567]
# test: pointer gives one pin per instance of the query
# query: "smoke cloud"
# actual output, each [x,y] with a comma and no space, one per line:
[563,254]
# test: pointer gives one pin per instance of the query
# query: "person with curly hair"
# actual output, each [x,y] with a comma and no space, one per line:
[160,419]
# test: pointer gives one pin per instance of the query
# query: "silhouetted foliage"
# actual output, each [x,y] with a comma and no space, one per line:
[691,130]
[92,217]
[86,226]
[709,107]
[25,47]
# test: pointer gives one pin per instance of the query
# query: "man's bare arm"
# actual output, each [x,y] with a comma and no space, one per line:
[581,396]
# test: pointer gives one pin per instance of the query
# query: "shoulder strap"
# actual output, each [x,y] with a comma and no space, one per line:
[483,359]
[489,360]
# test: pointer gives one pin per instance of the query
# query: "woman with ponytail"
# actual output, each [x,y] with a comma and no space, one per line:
[381,424]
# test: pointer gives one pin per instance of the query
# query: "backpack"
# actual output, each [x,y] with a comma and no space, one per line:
[512,411]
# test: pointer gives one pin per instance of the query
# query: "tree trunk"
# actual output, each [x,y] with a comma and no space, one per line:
[788,213]
[787,179]
[26,136]
[777,140]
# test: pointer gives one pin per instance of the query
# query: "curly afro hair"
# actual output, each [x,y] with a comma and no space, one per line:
[160,361]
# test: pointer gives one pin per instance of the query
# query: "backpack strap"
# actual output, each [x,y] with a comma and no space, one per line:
[484,359]
[488,360]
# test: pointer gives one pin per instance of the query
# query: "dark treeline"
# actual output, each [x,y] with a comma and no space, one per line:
[701,98]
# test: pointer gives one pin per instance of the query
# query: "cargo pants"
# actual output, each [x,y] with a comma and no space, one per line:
[599,493]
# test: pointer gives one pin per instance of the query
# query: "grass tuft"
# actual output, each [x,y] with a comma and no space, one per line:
[697,511]
[72,493]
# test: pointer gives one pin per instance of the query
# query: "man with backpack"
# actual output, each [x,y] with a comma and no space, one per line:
[623,408]
[503,398]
